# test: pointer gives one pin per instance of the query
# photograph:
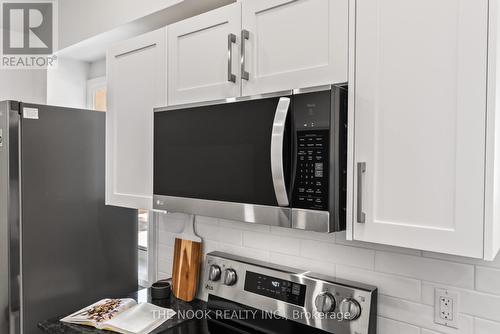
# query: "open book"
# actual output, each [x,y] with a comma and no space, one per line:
[122,316]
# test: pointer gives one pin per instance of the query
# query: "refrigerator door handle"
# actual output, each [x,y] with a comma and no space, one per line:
[277,138]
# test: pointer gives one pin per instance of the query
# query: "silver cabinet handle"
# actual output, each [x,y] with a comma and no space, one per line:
[361,170]
[231,39]
[277,138]
[245,35]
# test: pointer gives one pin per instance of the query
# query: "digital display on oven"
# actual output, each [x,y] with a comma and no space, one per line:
[289,292]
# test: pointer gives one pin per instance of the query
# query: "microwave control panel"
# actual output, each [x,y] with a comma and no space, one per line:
[312,112]
[311,177]
[311,127]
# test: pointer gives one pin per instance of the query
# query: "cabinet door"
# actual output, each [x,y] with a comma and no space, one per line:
[418,100]
[203,56]
[136,84]
[294,44]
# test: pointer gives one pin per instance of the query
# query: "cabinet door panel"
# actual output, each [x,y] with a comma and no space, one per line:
[419,106]
[198,56]
[294,44]
[136,85]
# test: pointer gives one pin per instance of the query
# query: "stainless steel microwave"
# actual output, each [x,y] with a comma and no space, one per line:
[276,159]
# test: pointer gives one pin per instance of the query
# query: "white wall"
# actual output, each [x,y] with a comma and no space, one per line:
[406,278]
[23,85]
[97,69]
[67,84]
[82,19]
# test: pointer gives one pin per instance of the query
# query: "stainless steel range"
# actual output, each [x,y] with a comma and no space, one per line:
[270,298]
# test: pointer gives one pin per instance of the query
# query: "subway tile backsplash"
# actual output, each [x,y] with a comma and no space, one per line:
[406,278]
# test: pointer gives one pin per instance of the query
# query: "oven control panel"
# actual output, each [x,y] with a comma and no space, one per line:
[329,304]
[277,288]
[312,166]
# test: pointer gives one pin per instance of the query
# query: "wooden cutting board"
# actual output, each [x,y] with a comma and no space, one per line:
[187,261]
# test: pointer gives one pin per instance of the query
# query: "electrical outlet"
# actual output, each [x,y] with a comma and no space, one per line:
[446,308]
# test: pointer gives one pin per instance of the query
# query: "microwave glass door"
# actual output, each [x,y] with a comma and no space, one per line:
[220,152]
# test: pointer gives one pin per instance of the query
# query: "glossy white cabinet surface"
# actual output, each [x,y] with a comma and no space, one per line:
[198,54]
[418,108]
[136,72]
[294,44]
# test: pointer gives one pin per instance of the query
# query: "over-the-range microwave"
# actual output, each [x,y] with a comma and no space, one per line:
[276,159]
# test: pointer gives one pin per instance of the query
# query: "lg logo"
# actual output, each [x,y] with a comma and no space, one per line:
[28,28]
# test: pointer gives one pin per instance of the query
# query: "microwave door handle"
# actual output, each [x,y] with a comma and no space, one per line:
[277,138]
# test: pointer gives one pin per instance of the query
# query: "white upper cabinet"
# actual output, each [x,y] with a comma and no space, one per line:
[257,46]
[418,103]
[293,44]
[204,55]
[136,84]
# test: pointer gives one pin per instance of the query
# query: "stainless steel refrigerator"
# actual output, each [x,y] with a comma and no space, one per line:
[61,248]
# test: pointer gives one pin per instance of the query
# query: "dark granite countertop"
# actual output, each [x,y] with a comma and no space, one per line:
[54,326]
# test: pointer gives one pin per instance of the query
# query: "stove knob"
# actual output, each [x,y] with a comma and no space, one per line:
[230,277]
[214,273]
[351,307]
[325,302]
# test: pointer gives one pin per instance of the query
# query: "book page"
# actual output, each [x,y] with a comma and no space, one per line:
[140,319]
[100,312]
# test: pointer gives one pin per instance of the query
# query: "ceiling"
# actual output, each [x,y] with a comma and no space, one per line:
[94,48]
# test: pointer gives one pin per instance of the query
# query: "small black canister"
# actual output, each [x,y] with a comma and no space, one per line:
[161,290]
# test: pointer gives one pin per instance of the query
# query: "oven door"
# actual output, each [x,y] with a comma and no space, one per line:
[228,160]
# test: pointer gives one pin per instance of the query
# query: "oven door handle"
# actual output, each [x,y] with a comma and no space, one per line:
[277,138]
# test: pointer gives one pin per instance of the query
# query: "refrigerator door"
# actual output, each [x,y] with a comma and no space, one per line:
[75,250]
[4,218]
[10,302]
